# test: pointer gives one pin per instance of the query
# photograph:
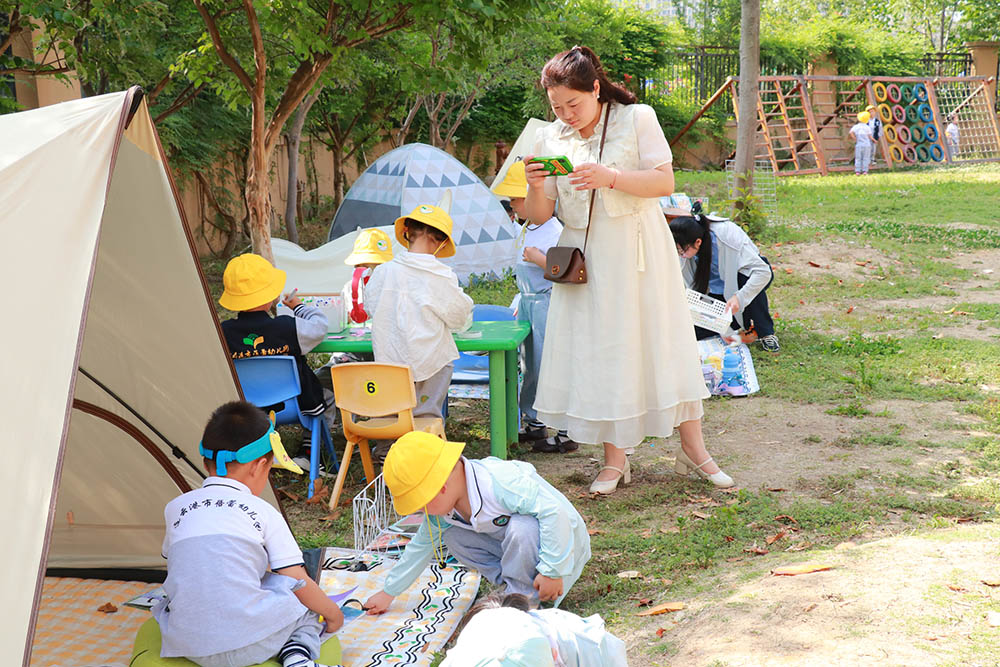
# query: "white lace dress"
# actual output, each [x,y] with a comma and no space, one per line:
[620,360]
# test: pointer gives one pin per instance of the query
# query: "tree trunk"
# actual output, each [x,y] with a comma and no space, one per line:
[746,130]
[258,183]
[293,139]
[338,175]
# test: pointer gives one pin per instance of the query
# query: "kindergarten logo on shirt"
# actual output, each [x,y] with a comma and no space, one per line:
[254,340]
[501,520]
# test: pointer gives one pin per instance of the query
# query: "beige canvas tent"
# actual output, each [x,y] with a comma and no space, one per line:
[113,358]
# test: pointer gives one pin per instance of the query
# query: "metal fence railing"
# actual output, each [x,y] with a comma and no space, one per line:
[694,73]
[946,64]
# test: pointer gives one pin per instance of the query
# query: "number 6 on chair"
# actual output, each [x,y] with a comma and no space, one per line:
[374,390]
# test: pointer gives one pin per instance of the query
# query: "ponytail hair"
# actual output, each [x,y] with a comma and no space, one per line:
[688,229]
[577,69]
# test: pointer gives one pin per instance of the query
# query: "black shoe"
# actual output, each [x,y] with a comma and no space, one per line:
[532,430]
[556,444]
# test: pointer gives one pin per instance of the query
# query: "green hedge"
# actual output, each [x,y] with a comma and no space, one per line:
[858,48]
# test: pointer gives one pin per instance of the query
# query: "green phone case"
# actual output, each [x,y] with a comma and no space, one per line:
[556,165]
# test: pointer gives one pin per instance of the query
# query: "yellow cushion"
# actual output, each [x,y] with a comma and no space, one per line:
[146,651]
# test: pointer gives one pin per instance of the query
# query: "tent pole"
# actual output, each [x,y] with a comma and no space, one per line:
[174,449]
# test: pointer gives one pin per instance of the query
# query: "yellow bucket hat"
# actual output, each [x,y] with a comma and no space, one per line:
[514,183]
[373,246]
[432,216]
[416,468]
[250,281]
[864,117]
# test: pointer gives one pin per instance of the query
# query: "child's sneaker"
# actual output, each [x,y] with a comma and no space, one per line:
[770,343]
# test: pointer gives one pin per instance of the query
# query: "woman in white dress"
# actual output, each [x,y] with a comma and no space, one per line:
[620,360]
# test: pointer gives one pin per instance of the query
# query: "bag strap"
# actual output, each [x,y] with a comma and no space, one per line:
[600,154]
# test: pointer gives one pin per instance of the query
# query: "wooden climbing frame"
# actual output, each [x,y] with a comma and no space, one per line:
[803,121]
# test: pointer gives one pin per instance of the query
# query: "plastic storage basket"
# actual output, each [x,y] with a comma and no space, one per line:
[709,313]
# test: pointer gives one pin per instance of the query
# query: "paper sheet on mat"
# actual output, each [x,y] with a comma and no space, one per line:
[418,623]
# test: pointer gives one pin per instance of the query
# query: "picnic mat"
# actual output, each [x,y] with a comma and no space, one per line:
[70,631]
[418,623]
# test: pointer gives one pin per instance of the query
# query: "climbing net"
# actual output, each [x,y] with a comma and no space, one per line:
[967,103]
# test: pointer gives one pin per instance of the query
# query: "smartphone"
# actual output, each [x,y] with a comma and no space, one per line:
[556,165]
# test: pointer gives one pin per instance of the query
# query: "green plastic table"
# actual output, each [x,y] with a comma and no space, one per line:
[501,340]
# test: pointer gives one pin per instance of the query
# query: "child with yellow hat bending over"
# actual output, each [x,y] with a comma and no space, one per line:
[415,303]
[252,288]
[237,592]
[498,517]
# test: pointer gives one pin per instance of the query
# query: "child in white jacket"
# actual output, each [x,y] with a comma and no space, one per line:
[415,303]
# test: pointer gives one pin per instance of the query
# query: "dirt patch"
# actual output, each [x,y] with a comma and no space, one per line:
[839,259]
[985,262]
[766,442]
[887,602]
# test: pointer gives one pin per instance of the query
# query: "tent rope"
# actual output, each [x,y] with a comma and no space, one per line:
[174,449]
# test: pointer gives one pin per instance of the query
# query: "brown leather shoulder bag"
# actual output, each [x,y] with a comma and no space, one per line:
[566,264]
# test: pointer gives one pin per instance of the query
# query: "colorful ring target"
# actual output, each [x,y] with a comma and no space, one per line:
[917,134]
[937,154]
[909,154]
[925,112]
[911,114]
[920,92]
[896,152]
[906,93]
[923,155]
[930,133]
[885,113]
[898,113]
[892,91]
[903,133]
[890,134]
[879,90]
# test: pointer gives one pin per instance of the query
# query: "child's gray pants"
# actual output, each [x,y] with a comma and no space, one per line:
[508,554]
[304,630]
[862,158]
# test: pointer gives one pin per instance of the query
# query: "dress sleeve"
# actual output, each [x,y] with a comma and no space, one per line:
[539,149]
[654,151]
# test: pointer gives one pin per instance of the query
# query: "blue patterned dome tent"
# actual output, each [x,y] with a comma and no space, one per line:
[415,174]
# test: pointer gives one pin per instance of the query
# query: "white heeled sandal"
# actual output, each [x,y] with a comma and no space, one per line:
[685,465]
[606,486]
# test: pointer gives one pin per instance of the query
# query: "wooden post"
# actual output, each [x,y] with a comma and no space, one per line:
[811,125]
[704,108]
[936,110]
[882,143]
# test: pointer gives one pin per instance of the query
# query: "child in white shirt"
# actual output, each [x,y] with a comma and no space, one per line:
[533,242]
[862,135]
[415,303]
[951,135]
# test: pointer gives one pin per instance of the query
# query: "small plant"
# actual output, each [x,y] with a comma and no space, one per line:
[852,409]
[748,212]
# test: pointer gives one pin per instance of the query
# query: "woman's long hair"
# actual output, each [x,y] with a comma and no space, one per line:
[688,229]
[577,69]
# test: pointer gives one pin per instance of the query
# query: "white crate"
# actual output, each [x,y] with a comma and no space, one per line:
[709,313]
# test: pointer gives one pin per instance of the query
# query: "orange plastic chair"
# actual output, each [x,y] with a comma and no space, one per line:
[383,395]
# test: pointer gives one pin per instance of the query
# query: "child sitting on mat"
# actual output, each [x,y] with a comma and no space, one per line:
[415,303]
[503,631]
[720,260]
[252,289]
[498,517]
[236,589]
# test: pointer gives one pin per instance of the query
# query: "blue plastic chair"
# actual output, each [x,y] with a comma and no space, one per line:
[473,368]
[273,381]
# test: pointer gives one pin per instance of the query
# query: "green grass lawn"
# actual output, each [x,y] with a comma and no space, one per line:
[898,320]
